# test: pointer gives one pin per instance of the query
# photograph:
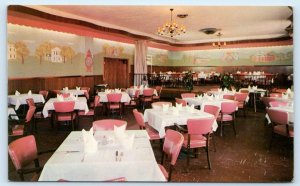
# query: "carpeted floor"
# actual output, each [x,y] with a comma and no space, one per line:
[241,158]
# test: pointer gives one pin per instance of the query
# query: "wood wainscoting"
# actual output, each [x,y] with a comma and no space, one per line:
[35,84]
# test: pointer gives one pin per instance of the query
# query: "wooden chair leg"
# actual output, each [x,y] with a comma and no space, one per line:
[207,153]
[214,141]
[188,158]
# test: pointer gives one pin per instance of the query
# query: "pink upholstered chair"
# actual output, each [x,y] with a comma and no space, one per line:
[244,91]
[230,97]
[87,92]
[266,101]
[121,179]
[241,98]
[278,103]
[139,118]
[278,95]
[188,95]
[44,93]
[23,152]
[114,103]
[227,115]
[92,111]
[107,124]
[171,148]
[215,111]
[197,136]
[134,100]
[181,101]
[21,127]
[159,104]
[158,90]
[64,112]
[280,124]
[65,95]
[147,97]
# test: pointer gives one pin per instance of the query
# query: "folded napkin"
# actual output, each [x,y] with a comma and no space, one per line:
[225,90]
[60,97]
[66,89]
[249,87]
[146,86]
[219,90]
[29,92]
[90,144]
[72,97]
[165,107]
[107,91]
[179,106]
[117,90]
[234,91]
[285,96]
[119,131]
[17,93]
[199,97]
[254,87]
[288,91]
[191,108]
[272,80]
[175,111]
[77,88]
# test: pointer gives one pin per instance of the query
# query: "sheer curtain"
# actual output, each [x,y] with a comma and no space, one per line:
[140,63]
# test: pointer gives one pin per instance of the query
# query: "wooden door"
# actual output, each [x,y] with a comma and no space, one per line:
[116,72]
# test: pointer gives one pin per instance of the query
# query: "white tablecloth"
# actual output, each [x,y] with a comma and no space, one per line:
[21,99]
[131,91]
[80,104]
[206,101]
[158,119]
[13,112]
[124,99]
[221,94]
[288,109]
[74,92]
[69,162]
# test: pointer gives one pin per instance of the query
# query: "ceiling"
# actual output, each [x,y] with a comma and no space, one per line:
[236,22]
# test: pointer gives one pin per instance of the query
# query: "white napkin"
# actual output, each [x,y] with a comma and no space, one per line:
[199,97]
[29,92]
[179,106]
[272,80]
[225,90]
[191,108]
[165,107]
[234,91]
[175,111]
[72,97]
[119,131]
[90,144]
[17,93]
[254,87]
[146,86]
[59,97]
[285,96]
[219,90]
[77,88]
[249,87]
[66,88]
[107,91]
[288,91]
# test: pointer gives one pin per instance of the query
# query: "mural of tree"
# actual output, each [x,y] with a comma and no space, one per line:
[67,52]
[21,50]
[39,53]
[43,50]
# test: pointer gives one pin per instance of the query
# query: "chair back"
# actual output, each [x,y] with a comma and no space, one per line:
[114,97]
[200,126]
[212,109]
[229,107]
[64,106]
[96,101]
[65,95]
[23,151]
[30,102]
[148,92]
[107,124]
[240,97]
[181,101]
[139,118]
[267,100]
[30,113]
[244,91]
[278,103]
[172,144]
[159,104]
[158,89]
[278,116]
[137,94]
[230,97]
[278,95]
[188,95]
[85,88]
[44,93]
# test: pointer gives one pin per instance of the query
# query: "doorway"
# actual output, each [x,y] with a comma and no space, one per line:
[116,72]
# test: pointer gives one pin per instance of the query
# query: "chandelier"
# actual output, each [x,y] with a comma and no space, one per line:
[219,44]
[171,28]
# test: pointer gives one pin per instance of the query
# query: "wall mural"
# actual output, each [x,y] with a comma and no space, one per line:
[112,51]
[89,61]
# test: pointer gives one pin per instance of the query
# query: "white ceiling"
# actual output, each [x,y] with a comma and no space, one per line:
[236,22]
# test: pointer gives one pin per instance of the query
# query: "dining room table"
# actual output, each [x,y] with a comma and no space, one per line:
[12,113]
[124,99]
[159,119]
[80,104]
[78,92]
[207,100]
[255,91]
[20,99]
[289,109]
[131,91]
[110,159]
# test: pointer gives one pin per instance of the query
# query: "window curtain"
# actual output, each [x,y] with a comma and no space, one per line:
[140,62]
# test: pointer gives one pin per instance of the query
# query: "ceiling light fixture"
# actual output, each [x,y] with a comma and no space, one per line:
[219,44]
[171,28]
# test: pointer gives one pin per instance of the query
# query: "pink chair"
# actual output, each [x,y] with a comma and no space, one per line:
[266,101]
[135,99]
[278,103]
[114,103]
[65,95]
[64,112]
[21,127]
[158,90]
[159,104]
[23,152]
[230,97]
[121,179]
[276,95]
[107,124]
[171,148]
[86,92]
[147,97]
[44,93]
[92,111]
[215,111]
[139,118]
[227,115]
[241,98]
[280,124]
[198,132]
[181,101]
[188,95]
[244,91]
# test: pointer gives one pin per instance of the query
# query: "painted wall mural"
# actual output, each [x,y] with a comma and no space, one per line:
[112,51]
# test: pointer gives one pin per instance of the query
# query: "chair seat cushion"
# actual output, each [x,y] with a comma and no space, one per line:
[164,171]
[241,105]
[65,117]
[90,113]
[147,99]
[156,97]
[226,117]
[18,130]
[196,141]
[114,106]
[281,129]
[153,134]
